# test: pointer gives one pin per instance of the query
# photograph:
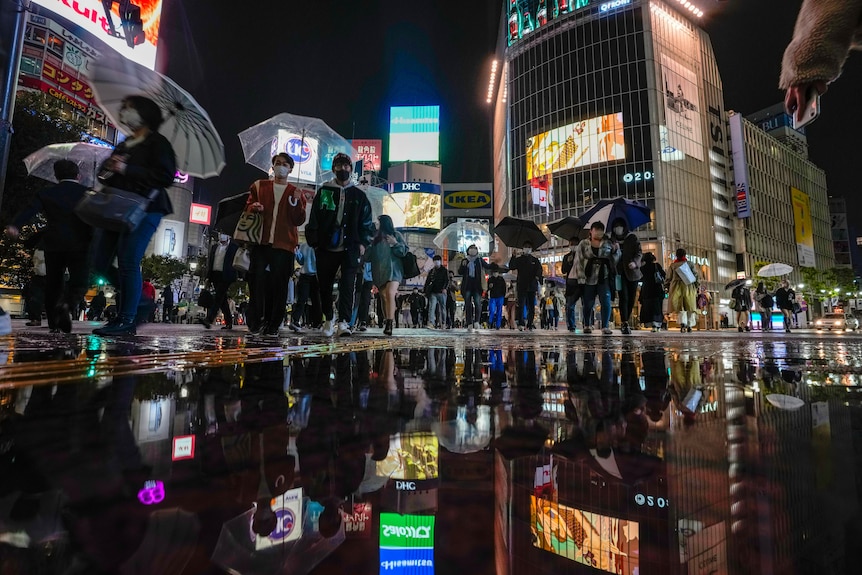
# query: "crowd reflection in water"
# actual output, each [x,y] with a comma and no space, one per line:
[627,460]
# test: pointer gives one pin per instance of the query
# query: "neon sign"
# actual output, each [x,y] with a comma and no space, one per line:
[152,493]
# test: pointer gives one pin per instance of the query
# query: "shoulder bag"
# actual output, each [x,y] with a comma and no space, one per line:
[409,265]
[685,274]
[249,228]
[114,209]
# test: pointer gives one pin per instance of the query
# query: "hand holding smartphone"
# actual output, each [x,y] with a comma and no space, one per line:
[807,113]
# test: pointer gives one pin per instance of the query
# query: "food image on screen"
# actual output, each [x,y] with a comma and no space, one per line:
[413,210]
[411,456]
[576,145]
[602,542]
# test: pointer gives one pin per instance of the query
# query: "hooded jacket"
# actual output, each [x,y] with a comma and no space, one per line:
[357,225]
[825,32]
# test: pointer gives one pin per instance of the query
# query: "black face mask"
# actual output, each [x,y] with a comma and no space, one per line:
[342,175]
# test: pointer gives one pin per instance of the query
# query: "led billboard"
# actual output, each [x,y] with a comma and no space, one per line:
[576,145]
[303,150]
[526,16]
[129,27]
[406,544]
[370,152]
[602,542]
[412,458]
[414,205]
[414,133]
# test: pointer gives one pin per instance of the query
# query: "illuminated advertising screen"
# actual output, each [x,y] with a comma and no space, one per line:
[303,150]
[406,544]
[526,16]
[130,27]
[803,227]
[414,205]
[576,145]
[200,214]
[412,461]
[602,542]
[370,152]
[288,513]
[414,133]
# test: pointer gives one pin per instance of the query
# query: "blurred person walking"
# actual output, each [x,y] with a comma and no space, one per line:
[385,253]
[652,292]
[34,290]
[740,299]
[307,289]
[628,269]
[574,290]
[530,273]
[785,298]
[597,263]
[496,297]
[683,296]
[66,240]
[473,283]
[221,275]
[436,283]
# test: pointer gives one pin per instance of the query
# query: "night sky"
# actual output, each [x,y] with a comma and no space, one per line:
[347,62]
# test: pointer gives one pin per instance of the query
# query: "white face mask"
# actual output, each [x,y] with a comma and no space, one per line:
[528,250]
[281,171]
[472,253]
[438,264]
[224,238]
[131,118]
[619,230]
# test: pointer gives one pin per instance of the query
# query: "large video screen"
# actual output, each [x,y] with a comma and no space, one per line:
[576,145]
[413,210]
[414,134]
[413,456]
[600,541]
[133,33]
[406,544]
[525,16]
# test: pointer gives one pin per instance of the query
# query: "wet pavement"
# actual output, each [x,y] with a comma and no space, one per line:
[189,451]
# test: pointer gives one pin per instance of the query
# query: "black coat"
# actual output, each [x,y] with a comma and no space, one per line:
[150,165]
[228,274]
[65,232]
[356,222]
[650,289]
[529,272]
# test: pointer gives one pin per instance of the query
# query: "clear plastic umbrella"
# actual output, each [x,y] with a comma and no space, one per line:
[457,236]
[309,141]
[88,157]
[774,270]
[187,126]
[380,200]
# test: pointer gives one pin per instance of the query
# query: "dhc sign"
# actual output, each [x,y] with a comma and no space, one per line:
[423,187]
[467,199]
[613,5]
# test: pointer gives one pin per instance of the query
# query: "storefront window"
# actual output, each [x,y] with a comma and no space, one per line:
[35,35]
[55,44]
[31,65]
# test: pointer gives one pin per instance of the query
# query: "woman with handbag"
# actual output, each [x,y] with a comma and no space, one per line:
[385,253]
[144,164]
[652,292]
[785,298]
[683,290]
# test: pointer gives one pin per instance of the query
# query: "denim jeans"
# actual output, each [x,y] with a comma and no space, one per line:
[526,308]
[603,291]
[472,307]
[495,311]
[130,252]
[437,300]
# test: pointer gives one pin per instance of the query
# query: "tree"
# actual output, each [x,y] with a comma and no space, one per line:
[39,121]
[163,269]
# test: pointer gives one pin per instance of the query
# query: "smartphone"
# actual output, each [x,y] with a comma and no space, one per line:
[809,112]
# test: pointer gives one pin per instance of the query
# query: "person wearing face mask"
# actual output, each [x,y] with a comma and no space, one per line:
[282,206]
[435,288]
[628,269]
[573,287]
[144,162]
[221,275]
[340,228]
[473,283]
[529,271]
[597,264]
[496,297]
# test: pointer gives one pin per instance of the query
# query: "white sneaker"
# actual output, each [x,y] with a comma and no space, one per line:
[5,322]
[429,326]
[296,328]
[475,325]
[329,328]
[344,328]
[607,331]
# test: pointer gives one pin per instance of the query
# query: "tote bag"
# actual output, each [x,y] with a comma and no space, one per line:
[685,274]
[249,228]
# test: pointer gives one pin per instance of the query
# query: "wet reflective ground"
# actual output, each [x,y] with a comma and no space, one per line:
[489,453]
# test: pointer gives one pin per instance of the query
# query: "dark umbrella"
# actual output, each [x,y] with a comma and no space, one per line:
[228,212]
[634,213]
[733,284]
[515,232]
[568,228]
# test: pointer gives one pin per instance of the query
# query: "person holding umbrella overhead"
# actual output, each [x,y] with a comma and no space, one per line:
[597,263]
[628,268]
[473,283]
[529,277]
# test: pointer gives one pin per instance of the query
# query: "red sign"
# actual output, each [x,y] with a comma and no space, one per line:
[67,82]
[358,523]
[370,152]
[200,214]
[184,447]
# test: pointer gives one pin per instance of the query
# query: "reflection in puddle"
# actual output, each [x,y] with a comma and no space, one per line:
[511,459]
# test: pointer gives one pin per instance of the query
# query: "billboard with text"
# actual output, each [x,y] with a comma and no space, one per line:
[803,227]
[414,134]
[370,152]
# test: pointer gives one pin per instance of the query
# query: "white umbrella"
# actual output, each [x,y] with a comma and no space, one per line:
[88,157]
[377,198]
[187,126]
[774,270]
[457,236]
[782,401]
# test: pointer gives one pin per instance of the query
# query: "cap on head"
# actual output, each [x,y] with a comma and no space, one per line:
[341,159]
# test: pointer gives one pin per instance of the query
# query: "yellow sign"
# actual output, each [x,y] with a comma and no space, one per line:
[804,228]
[576,145]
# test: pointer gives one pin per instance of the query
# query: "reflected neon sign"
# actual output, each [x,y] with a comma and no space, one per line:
[152,493]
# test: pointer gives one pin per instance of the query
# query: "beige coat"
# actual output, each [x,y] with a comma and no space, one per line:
[826,31]
[680,296]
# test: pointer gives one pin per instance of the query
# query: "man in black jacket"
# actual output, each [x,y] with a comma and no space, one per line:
[339,229]
[435,288]
[529,276]
[66,240]
[417,307]
[221,274]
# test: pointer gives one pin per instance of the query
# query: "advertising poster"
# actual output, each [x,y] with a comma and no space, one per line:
[412,456]
[576,145]
[406,544]
[681,94]
[740,168]
[288,512]
[414,133]
[804,229]
[304,152]
[370,152]
[606,543]
[413,210]
[129,27]
[357,525]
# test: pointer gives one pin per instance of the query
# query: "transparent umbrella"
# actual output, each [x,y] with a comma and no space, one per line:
[88,157]
[457,236]
[309,141]
[774,270]
[380,200]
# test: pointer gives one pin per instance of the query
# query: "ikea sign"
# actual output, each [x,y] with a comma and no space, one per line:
[467,199]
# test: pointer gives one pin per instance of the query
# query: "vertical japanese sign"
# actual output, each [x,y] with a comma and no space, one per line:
[740,168]
[370,152]
[804,229]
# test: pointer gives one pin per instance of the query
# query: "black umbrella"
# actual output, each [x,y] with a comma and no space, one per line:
[735,283]
[568,228]
[228,212]
[515,232]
